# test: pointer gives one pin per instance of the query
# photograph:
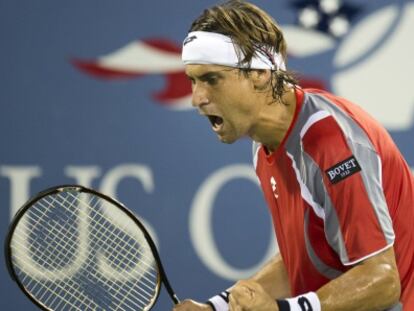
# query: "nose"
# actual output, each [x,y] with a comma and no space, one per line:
[199,97]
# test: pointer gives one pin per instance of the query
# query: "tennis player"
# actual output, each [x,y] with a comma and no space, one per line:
[340,193]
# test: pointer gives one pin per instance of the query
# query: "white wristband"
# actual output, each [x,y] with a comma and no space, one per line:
[305,302]
[220,302]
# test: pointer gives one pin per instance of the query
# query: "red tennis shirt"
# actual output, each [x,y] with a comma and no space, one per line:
[339,192]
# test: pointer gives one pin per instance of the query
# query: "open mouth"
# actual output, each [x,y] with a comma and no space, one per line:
[215,121]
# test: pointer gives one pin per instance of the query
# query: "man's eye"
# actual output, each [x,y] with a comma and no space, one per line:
[212,80]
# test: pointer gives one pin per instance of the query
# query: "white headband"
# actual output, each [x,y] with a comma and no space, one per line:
[201,47]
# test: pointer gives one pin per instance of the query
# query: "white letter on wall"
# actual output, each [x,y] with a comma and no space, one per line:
[201,229]
[20,177]
[84,175]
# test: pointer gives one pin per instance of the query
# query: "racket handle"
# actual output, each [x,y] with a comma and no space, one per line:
[175,299]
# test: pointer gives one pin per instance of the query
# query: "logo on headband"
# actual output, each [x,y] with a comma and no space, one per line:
[189,39]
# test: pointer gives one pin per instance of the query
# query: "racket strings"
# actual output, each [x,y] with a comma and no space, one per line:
[150,288]
[115,238]
[149,261]
[41,291]
[28,263]
[89,203]
[119,251]
[55,247]
[33,290]
[76,299]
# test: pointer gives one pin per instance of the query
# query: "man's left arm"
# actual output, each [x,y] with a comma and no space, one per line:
[373,284]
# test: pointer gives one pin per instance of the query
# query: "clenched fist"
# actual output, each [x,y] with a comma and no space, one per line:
[249,295]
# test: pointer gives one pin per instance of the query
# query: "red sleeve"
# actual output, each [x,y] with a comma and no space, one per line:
[353,211]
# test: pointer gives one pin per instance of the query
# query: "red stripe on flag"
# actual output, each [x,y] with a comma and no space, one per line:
[94,69]
[178,86]
[164,45]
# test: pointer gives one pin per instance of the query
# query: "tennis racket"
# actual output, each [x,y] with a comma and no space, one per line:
[73,248]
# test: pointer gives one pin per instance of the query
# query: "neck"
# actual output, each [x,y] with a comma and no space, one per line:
[274,121]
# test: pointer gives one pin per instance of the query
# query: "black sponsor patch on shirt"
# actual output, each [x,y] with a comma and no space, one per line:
[343,170]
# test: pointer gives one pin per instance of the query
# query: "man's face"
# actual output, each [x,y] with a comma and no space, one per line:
[226,97]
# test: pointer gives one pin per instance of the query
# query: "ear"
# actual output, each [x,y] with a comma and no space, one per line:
[260,78]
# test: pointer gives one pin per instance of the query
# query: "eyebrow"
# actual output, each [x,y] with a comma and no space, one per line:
[206,76]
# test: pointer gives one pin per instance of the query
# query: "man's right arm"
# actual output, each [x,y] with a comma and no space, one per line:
[272,277]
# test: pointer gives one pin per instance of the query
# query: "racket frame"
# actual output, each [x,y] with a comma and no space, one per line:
[72,187]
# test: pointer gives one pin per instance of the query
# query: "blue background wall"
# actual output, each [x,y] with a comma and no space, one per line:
[76,108]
